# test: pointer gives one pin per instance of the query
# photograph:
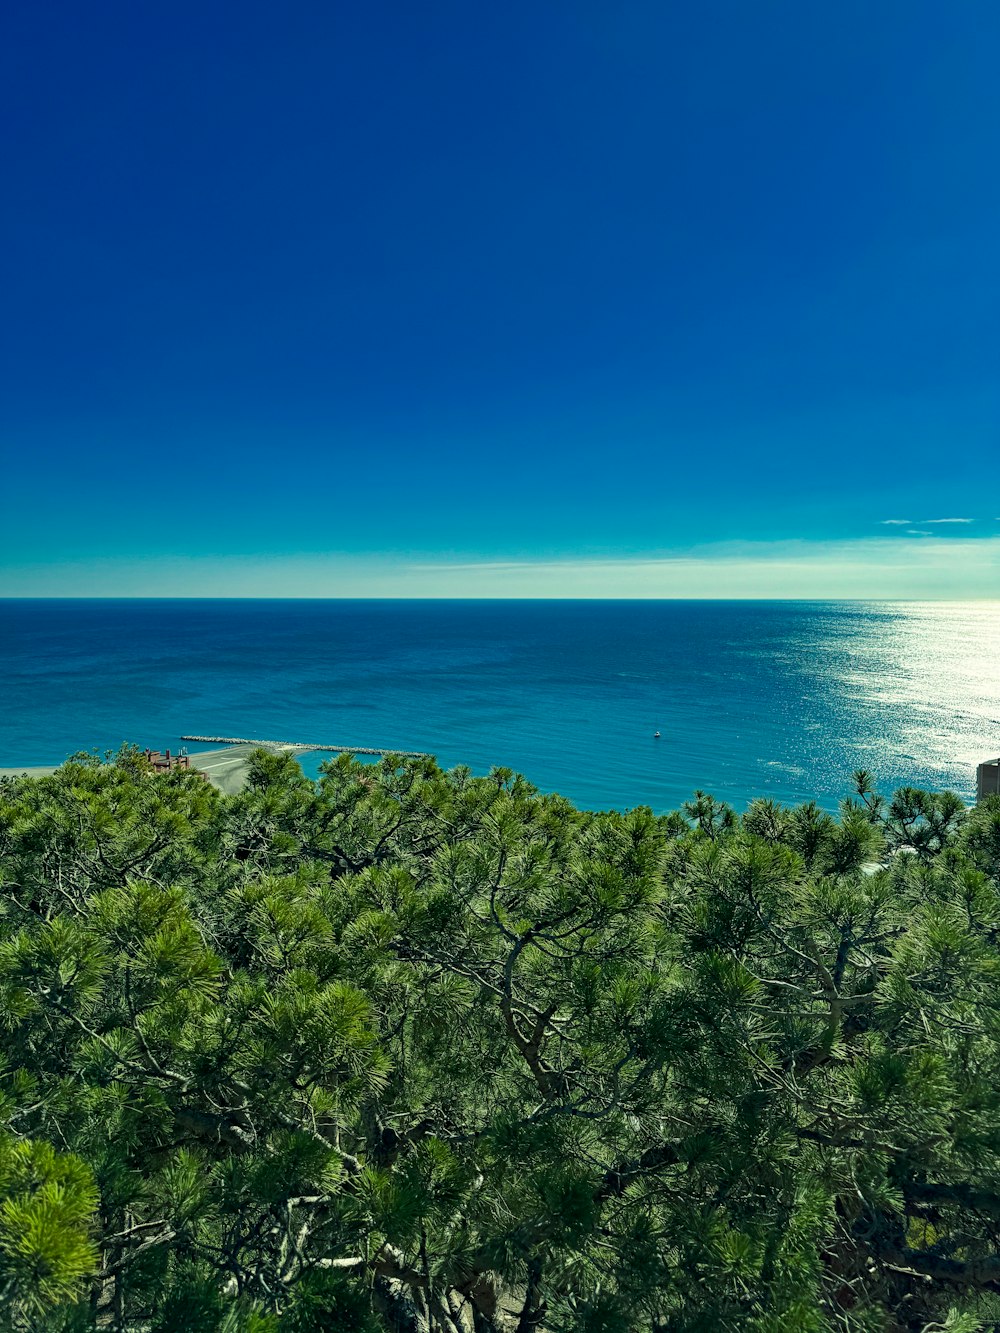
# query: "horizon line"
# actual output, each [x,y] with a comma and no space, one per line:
[580,597]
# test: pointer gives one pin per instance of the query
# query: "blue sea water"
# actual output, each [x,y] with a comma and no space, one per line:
[751,698]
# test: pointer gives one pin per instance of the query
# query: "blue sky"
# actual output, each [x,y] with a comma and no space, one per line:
[532,299]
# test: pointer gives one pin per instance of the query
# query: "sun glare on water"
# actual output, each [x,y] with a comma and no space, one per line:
[930,673]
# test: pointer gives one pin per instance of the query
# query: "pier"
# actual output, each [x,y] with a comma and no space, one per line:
[304,746]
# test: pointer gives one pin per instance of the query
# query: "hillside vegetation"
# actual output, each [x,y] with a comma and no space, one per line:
[411,1050]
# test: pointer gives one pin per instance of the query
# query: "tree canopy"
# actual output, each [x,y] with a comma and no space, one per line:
[407,1051]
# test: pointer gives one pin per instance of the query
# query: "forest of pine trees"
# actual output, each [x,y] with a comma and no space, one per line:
[407,1051]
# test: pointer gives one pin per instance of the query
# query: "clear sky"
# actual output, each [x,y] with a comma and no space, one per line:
[546,298]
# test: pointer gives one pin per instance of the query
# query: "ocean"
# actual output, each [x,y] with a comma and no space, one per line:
[779,699]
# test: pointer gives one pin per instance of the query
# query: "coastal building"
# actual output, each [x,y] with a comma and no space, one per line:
[988,779]
[163,763]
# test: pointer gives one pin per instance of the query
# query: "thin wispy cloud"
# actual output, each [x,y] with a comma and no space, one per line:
[917,532]
[950,568]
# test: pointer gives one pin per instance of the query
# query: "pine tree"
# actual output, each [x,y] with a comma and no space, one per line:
[409,1050]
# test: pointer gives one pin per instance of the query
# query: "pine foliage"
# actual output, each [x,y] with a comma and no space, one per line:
[406,1050]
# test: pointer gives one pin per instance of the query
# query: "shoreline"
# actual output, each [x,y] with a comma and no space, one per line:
[225,768]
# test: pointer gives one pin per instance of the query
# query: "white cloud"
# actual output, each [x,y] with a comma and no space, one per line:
[896,522]
[946,520]
[953,568]
[918,532]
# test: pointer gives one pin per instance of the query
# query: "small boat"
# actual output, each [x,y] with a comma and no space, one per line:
[656,735]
